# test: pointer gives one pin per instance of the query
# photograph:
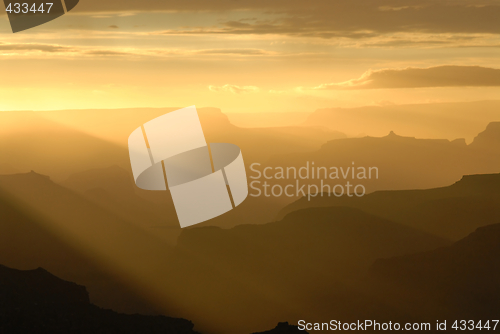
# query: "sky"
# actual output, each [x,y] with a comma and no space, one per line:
[254,56]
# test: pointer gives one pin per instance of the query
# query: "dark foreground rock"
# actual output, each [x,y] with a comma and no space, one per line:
[35,301]
[284,328]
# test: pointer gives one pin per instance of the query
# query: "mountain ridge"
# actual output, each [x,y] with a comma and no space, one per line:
[473,196]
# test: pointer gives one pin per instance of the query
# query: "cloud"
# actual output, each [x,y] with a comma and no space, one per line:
[412,77]
[270,28]
[20,47]
[234,89]
[329,19]
[424,40]
[55,50]
[113,26]
[242,52]
[108,53]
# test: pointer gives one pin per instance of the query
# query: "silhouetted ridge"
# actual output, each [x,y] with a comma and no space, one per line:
[113,178]
[391,137]
[283,328]
[462,277]
[392,134]
[344,239]
[489,138]
[459,142]
[214,118]
[26,177]
[482,184]
[38,286]
[35,301]
[113,189]
[428,120]
[451,212]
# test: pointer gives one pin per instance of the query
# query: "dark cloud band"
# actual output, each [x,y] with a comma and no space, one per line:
[439,76]
[328,19]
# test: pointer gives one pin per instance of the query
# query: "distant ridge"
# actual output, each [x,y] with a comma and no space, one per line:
[451,212]
[460,280]
[489,139]
[63,142]
[403,162]
[427,120]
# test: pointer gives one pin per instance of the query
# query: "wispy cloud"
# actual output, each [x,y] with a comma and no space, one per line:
[425,40]
[242,52]
[412,77]
[55,50]
[234,89]
[23,47]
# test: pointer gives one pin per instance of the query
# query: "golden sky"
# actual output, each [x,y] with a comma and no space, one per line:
[254,56]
